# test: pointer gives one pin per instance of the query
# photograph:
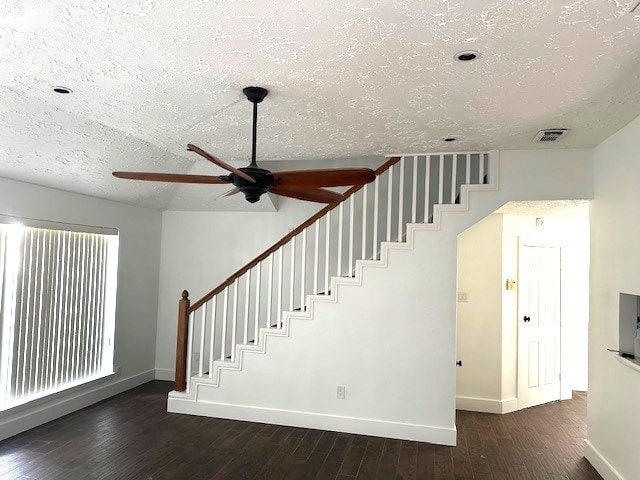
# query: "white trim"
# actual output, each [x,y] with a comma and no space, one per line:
[486,405]
[359,426]
[632,364]
[14,424]
[166,374]
[56,225]
[600,463]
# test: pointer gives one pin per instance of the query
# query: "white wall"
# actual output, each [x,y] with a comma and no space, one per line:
[416,331]
[137,297]
[479,341]
[614,388]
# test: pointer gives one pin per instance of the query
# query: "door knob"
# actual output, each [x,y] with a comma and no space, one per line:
[527,319]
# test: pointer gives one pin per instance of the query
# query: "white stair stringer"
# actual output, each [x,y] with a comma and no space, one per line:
[222,396]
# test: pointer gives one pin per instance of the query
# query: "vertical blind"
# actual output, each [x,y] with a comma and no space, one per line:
[57,292]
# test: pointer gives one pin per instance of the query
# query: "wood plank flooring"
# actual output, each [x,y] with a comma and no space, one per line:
[131,436]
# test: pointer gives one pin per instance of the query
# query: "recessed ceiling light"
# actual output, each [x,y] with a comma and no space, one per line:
[467,55]
[61,89]
[449,139]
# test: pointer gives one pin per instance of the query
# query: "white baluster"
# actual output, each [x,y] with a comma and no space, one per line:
[481,168]
[280,285]
[203,327]
[454,174]
[414,196]
[375,217]
[245,336]
[401,201]
[340,220]
[292,273]
[189,349]
[234,323]
[427,188]
[256,323]
[363,254]
[327,244]
[468,170]
[316,250]
[225,304]
[351,219]
[303,273]
[270,291]
[389,202]
[212,338]
[441,180]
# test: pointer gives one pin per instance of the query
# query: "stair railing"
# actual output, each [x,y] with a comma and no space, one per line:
[301,263]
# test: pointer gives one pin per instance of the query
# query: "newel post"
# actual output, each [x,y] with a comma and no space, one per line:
[180,384]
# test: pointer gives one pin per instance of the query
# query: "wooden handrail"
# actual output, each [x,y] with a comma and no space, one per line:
[381,169]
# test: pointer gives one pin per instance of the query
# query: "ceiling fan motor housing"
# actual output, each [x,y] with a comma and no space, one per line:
[253,191]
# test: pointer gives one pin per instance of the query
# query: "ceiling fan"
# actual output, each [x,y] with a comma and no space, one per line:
[254,181]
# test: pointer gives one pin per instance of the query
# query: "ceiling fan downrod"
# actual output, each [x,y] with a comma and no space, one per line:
[255,95]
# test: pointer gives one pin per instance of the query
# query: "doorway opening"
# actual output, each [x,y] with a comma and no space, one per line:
[523,306]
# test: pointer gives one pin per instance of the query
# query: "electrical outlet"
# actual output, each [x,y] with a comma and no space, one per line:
[340,392]
[462,297]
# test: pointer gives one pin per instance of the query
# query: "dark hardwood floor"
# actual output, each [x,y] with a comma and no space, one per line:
[131,436]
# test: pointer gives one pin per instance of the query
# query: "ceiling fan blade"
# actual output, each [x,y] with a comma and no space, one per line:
[333,177]
[220,163]
[171,177]
[233,191]
[309,194]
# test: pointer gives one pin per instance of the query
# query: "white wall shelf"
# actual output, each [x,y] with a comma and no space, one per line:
[633,364]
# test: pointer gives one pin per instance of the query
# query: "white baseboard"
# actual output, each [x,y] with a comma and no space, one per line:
[360,426]
[165,374]
[67,402]
[486,405]
[604,468]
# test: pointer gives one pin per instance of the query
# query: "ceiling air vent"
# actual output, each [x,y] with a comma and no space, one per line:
[550,135]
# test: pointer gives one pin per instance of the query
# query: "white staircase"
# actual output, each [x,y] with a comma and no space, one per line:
[342,271]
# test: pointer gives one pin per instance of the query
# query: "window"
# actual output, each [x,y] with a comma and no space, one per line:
[57,309]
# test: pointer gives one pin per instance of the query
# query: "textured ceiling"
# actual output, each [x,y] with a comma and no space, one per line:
[347,79]
[547,208]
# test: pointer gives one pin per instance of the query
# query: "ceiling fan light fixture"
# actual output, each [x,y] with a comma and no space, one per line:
[61,89]
[467,55]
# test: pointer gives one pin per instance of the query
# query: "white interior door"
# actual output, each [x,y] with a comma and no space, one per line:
[538,325]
